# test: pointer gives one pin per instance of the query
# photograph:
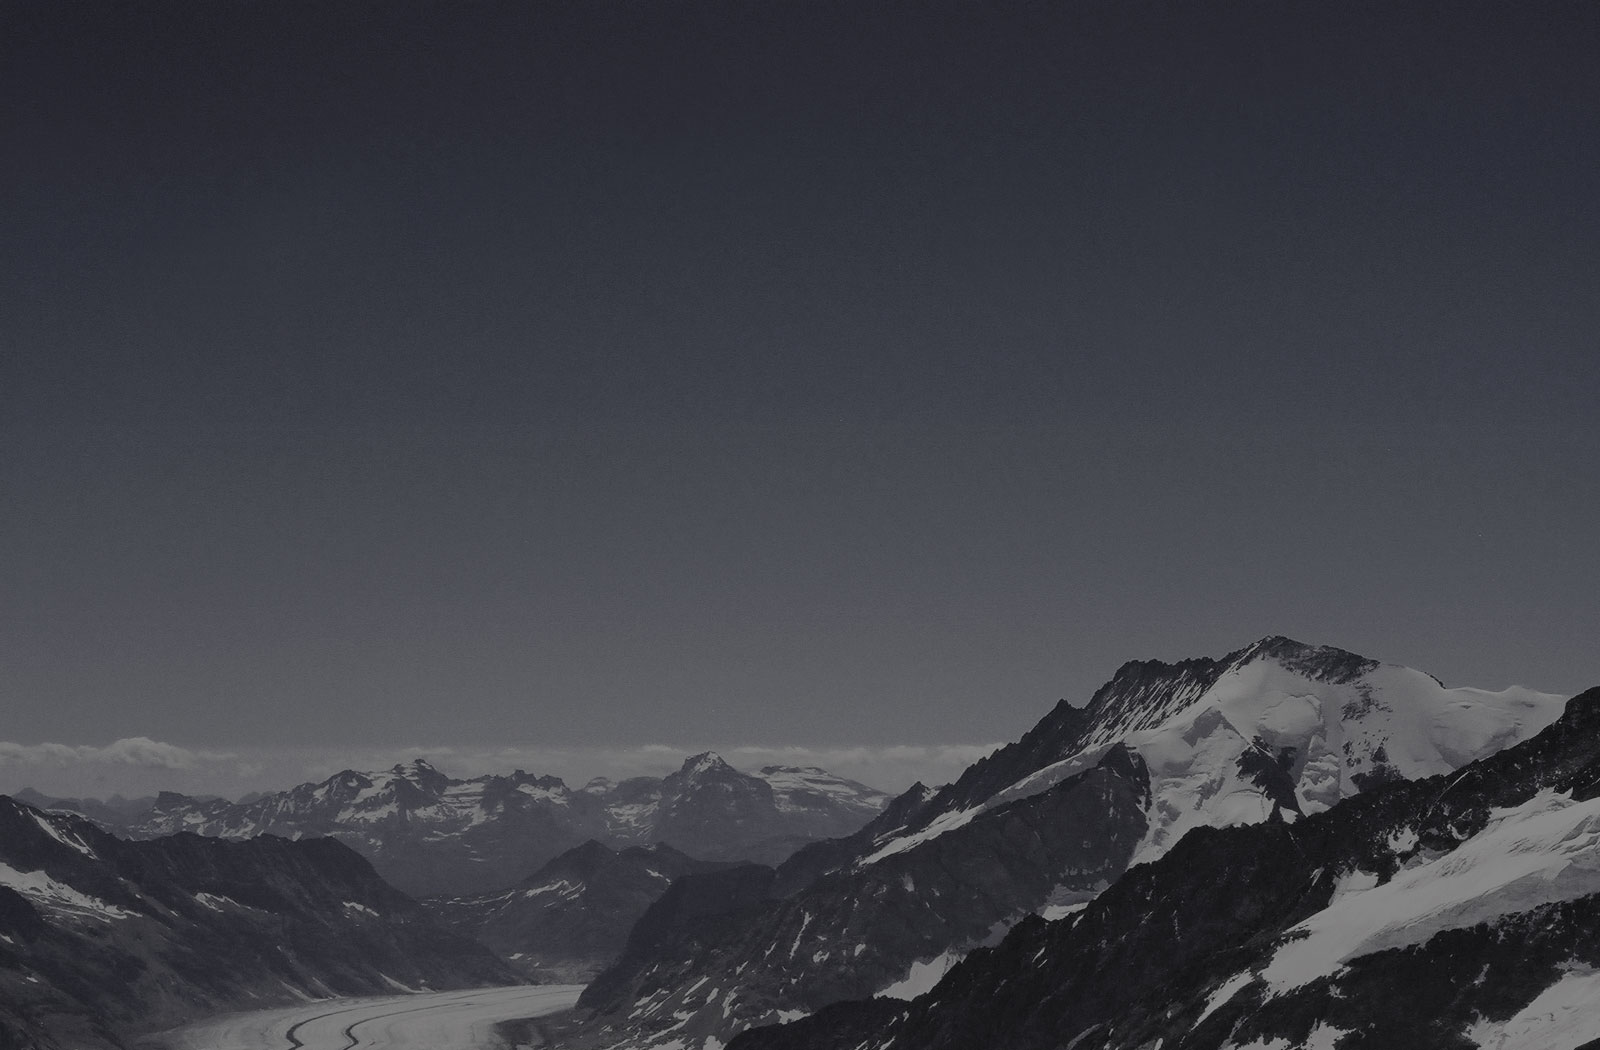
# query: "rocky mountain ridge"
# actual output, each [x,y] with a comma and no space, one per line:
[1457,910]
[570,919]
[102,938]
[429,834]
[1276,731]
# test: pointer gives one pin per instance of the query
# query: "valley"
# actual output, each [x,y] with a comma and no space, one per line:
[430,1021]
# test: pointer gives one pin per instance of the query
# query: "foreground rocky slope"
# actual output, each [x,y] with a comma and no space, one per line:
[427,833]
[1458,911]
[101,937]
[1276,731]
[570,919]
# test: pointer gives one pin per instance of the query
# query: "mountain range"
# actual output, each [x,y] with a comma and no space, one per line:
[102,939]
[1459,910]
[1275,732]
[570,919]
[428,833]
[1290,846]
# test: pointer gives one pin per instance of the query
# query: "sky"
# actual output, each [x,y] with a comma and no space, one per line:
[574,380]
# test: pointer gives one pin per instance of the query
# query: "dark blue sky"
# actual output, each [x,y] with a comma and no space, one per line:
[781,373]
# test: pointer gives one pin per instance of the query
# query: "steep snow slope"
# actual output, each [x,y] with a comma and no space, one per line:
[1278,725]
[1539,852]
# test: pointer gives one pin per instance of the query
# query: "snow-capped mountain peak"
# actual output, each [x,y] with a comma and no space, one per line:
[704,763]
[1326,722]
[1325,663]
[1274,733]
[1459,910]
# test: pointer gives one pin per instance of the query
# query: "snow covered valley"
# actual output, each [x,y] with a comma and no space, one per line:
[427,1021]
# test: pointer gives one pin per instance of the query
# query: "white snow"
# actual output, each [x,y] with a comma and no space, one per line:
[704,763]
[632,815]
[535,791]
[560,887]
[352,815]
[1225,991]
[1392,716]
[941,824]
[805,920]
[1390,720]
[1054,912]
[921,977]
[58,896]
[1563,1017]
[1536,853]
[1195,781]
[1324,1037]
[49,828]
[787,782]
[428,1021]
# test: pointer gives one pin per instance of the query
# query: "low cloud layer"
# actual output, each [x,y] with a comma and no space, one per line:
[141,766]
[130,751]
[132,765]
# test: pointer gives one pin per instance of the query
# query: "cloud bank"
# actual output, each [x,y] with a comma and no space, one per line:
[129,751]
[134,765]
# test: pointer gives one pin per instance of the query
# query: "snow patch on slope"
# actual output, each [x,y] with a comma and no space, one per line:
[48,826]
[945,822]
[1540,852]
[921,977]
[46,892]
[1224,992]
[1563,1017]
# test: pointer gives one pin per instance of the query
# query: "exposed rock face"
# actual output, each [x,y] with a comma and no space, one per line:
[1273,732]
[429,834]
[571,918]
[851,933]
[1459,910]
[100,937]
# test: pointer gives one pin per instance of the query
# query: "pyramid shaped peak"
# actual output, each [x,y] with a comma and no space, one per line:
[704,762]
[418,774]
[1321,662]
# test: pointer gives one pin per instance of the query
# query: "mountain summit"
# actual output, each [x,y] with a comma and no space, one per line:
[1274,732]
[703,763]
[1458,910]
